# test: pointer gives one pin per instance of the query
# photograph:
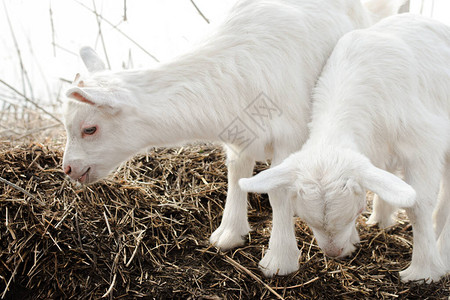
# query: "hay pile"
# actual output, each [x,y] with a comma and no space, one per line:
[144,234]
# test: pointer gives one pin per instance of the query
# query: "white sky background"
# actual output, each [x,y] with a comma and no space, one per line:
[164,28]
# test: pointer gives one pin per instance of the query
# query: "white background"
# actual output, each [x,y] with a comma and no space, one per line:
[50,51]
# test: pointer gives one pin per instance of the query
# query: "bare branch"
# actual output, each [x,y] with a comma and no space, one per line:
[125,18]
[17,187]
[199,11]
[31,101]
[100,33]
[53,29]
[241,269]
[19,54]
[118,30]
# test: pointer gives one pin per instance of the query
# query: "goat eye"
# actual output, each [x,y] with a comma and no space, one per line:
[89,130]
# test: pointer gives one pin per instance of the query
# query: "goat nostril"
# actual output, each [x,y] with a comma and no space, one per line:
[68,170]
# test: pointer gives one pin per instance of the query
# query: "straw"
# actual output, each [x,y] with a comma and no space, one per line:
[143,233]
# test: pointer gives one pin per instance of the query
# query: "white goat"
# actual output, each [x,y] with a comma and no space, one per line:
[247,86]
[382,102]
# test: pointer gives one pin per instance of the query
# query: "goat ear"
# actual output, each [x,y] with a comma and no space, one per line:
[389,187]
[99,97]
[80,95]
[268,180]
[91,59]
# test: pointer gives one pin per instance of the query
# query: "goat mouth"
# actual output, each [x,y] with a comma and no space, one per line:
[85,177]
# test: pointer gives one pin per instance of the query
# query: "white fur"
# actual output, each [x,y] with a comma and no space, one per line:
[382,102]
[267,49]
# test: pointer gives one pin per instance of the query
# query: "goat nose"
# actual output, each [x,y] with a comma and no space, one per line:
[68,170]
[335,252]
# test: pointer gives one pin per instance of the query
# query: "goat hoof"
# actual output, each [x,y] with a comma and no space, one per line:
[226,238]
[427,274]
[382,222]
[279,263]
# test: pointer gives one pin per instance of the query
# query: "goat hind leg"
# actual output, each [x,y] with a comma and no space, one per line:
[442,210]
[426,262]
[441,218]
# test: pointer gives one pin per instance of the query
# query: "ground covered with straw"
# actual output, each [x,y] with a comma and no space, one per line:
[143,233]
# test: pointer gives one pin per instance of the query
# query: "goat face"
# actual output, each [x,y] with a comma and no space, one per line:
[98,140]
[327,188]
[330,197]
[100,121]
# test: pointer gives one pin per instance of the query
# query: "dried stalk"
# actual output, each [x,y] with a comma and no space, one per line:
[17,188]
[200,12]
[100,33]
[143,233]
[118,30]
[32,102]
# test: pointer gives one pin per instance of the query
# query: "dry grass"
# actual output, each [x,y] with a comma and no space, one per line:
[144,234]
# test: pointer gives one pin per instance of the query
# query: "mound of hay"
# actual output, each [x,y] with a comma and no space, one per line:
[144,234]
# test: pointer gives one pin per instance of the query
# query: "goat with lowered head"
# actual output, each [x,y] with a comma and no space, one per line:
[247,86]
[381,103]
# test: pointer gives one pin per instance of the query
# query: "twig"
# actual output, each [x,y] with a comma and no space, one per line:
[65,80]
[9,281]
[17,187]
[107,223]
[139,239]
[16,45]
[25,77]
[33,131]
[13,235]
[78,230]
[296,286]
[248,272]
[110,287]
[100,33]
[118,30]
[129,64]
[31,101]
[199,11]
[125,10]
[53,29]
[43,73]
[66,50]
[54,241]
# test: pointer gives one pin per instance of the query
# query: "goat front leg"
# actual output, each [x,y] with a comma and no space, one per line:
[382,214]
[444,245]
[234,226]
[426,263]
[382,211]
[283,254]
